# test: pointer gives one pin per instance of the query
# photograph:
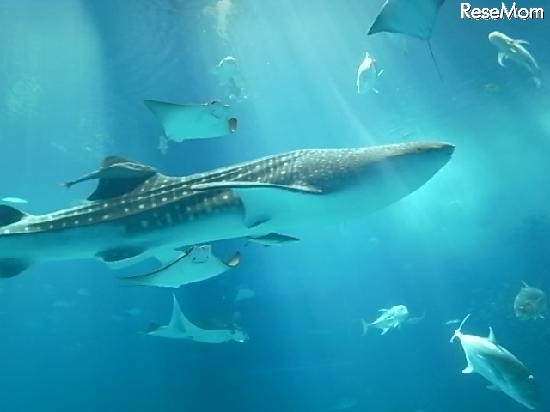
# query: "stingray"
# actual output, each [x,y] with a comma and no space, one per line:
[415,18]
[193,121]
[193,265]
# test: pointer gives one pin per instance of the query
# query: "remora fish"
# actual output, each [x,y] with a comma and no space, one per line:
[136,212]
[496,364]
[182,328]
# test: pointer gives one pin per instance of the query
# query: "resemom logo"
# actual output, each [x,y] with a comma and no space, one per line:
[504,12]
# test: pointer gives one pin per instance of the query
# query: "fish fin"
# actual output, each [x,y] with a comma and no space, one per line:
[151,327]
[9,215]
[375,91]
[537,81]
[491,336]
[458,332]
[266,239]
[234,261]
[380,72]
[262,201]
[116,177]
[178,321]
[501,57]
[383,310]
[405,17]
[10,267]
[251,185]
[365,327]
[118,254]
[520,42]
[385,330]
[468,369]
[493,388]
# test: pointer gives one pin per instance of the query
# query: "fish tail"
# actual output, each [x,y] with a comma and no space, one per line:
[365,327]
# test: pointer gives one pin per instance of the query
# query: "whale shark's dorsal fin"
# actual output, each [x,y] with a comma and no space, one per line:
[9,215]
[117,176]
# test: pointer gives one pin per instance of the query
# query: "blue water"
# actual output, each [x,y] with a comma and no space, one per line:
[73,75]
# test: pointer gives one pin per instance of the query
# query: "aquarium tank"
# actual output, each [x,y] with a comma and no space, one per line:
[274,205]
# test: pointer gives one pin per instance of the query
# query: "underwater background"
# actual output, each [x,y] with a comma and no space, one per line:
[73,77]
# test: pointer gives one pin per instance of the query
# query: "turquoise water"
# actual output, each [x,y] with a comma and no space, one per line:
[74,75]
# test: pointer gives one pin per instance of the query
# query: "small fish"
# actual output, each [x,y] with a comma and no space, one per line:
[244,294]
[390,318]
[230,78]
[14,200]
[514,50]
[530,303]
[452,322]
[367,75]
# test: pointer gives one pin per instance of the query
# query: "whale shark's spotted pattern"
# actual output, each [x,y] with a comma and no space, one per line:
[173,200]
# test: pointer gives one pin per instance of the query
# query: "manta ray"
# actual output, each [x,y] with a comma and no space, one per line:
[180,327]
[136,212]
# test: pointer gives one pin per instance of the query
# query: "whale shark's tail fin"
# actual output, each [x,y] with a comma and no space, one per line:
[458,331]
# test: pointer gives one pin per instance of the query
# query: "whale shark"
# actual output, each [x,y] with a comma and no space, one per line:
[180,327]
[136,212]
[500,367]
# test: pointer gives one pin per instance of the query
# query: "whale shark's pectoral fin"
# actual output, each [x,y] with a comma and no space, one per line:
[501,57]
[519,42]
[253,185]
[117,176]
[12,267]
[9,215]
[263,201]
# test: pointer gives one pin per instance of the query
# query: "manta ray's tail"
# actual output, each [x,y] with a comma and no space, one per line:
[458,332]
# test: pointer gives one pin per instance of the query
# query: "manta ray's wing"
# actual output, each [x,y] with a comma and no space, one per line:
[411,17]
[179,324]
[193,265]
[193,121]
